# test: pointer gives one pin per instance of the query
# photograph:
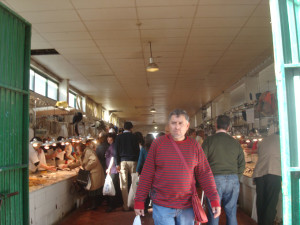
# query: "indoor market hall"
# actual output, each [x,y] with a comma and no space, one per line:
[180,108]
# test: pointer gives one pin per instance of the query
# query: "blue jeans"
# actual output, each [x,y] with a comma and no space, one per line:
[228,187]
[168,216]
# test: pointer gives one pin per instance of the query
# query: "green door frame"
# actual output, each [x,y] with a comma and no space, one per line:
[15,35]
[285,18]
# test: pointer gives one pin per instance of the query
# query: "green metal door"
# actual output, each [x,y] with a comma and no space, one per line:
[285,15]
[14,102]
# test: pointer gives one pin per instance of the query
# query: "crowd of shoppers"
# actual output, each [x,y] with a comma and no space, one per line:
[216,163]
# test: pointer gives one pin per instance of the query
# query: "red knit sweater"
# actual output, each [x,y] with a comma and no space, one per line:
[165,174]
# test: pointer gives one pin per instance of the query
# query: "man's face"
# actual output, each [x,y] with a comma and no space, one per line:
[110,140]
[178,126]
[193,135]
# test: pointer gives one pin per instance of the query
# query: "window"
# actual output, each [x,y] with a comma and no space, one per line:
[52,90]
[106,116]
[40,84]
[72,99]
[83,104]
[31,82]
[43,85]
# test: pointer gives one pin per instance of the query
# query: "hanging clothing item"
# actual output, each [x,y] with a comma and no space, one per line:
[63,131]
[267,104]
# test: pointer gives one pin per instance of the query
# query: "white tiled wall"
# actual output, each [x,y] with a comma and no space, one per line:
[50,204]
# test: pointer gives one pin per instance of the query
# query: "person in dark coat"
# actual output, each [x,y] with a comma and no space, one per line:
[102,148]
[113,201]
[127,155]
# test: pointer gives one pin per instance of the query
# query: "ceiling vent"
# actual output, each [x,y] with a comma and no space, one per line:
[49,51]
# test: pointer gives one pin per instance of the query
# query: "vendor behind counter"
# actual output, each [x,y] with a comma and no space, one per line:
[37,159]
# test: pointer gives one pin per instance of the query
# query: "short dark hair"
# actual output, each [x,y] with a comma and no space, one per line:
[81,147]
[140,138]
[128,125]
[179,112]
[112,135]
[223,122]
[59,138]
[37,138]
[160,134]
[191,131]
[148,141]
[103,138]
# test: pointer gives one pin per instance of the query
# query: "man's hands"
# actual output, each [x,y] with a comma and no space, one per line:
[216,211]
[118,168]
[51,168]
[139,212]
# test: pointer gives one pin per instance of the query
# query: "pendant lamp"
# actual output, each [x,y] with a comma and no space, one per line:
[152,66]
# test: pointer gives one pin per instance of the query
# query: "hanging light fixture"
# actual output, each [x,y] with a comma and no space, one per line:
[53,142]
[46,145]
[152,110]
[67,141]
[89,137]
[152,66]
[35,143]
[62,141]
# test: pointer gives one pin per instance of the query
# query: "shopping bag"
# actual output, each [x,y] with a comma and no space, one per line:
[109,188]
[137,220]
[132,191]
[89,184]
[200,215]
[83,177]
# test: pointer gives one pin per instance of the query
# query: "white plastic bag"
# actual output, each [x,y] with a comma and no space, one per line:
[132,191]
[89,184]
[109,188]
[137,220]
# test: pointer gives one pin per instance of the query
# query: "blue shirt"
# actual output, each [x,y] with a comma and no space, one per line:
[142,159]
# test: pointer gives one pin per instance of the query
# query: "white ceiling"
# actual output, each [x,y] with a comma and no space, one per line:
[202,48]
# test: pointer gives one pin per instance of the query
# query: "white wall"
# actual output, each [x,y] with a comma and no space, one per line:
[236,96]
[267,80]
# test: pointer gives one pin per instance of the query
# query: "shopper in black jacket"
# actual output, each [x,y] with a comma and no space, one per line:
[101,149]
[127,155]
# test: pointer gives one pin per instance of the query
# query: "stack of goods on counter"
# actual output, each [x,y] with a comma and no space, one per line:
[35,181]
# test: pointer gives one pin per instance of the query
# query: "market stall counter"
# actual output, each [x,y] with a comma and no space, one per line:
[52,196]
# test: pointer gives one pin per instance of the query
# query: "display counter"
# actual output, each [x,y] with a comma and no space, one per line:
[247,199]
[52,196]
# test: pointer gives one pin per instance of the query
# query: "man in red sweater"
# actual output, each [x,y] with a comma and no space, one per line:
[165,176]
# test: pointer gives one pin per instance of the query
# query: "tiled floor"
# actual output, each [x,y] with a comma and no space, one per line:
[118,217]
